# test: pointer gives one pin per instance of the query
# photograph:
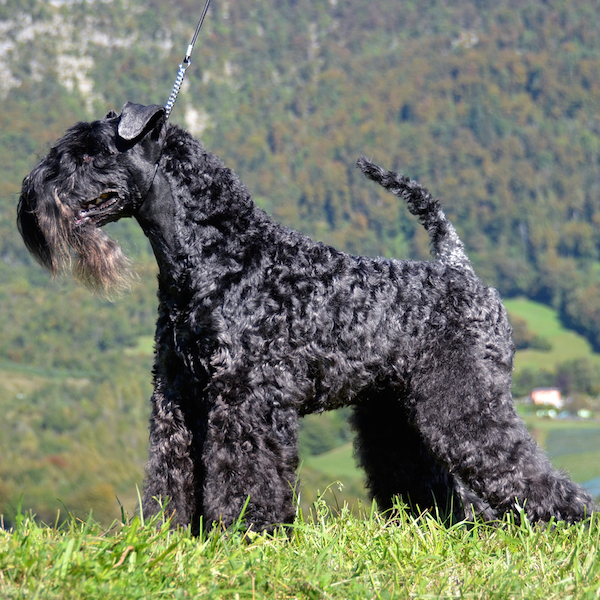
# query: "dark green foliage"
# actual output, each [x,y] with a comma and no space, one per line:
[528,379]
[579,375]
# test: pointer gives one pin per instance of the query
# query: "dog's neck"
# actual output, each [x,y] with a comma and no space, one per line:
[156,217]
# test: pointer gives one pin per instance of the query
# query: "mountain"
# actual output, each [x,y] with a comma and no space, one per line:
[492,105]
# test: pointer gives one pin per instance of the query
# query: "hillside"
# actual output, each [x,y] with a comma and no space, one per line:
[492,105]
[494,108]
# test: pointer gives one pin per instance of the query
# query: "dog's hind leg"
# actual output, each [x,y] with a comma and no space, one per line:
[465,414]
[397,462]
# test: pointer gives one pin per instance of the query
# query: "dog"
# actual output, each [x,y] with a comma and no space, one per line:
[259,325]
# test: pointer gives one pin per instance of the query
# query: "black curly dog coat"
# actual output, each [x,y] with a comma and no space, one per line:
[259,325]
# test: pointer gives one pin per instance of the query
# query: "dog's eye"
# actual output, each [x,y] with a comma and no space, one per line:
[91,153]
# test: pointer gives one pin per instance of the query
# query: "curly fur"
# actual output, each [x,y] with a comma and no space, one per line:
[258,325]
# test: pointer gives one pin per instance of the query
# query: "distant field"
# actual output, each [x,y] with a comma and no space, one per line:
[543,320]
[338,462]
[337,465]
[573,446]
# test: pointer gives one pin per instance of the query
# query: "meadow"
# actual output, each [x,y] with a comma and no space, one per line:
[326,555]
[544,321]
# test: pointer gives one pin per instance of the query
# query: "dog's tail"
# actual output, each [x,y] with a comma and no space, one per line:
[446,245]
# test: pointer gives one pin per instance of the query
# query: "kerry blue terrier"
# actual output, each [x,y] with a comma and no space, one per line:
[259,325]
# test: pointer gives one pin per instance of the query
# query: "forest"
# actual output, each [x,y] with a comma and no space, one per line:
[494,106]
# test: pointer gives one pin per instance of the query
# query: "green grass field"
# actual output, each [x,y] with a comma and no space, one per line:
[543,320]
[329,556]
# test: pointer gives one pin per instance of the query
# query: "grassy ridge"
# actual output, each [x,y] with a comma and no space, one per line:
[544,321]
[325,556]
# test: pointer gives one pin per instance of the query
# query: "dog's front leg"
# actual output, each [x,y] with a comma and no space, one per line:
[172,469]
[250,459]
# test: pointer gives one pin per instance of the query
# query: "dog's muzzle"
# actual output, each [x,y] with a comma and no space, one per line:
[98,209]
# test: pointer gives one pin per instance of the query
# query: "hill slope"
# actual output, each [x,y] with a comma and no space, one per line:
[494,108]
[492,105]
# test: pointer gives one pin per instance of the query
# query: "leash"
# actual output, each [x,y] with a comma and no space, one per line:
[185,64]
[177,87]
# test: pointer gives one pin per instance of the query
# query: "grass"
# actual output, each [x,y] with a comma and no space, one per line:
[325,556]
[543,320]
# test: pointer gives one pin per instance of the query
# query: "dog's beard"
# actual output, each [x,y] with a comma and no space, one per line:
[55,238]
[100,263]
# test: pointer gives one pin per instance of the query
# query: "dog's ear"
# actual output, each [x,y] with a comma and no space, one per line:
[111,114]
[137,120]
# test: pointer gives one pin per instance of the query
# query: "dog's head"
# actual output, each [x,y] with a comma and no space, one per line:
[96,173]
